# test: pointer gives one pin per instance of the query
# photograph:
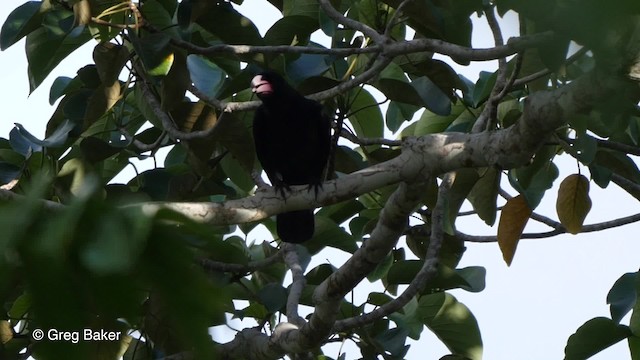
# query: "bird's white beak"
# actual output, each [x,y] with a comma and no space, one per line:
[261,86]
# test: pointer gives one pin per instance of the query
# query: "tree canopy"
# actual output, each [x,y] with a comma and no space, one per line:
[188,245]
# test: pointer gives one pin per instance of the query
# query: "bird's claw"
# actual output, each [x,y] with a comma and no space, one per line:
[282,188]
[316,186]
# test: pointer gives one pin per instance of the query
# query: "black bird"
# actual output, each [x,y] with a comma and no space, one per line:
[292,139]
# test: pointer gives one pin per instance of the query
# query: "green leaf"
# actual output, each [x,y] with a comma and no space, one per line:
[453,323]
[95,149]
[434,99]
[20,307]
[205,75]
[23,20]
[618,163]
[378,299]
[47,46]
[110,59]
[290,30]
[483,87]
[594,336]
[21,144]
[307,8]
[409,319]
[600,175]
[381,270]
[634,347]
[586,147]
[393,341]
[366,116]
[634,322]
[57,139]
[61,86]
[238,174]
[319,273]
[484,195]
[398,113]
[8,172]
[308,66]
[400,90]
[155,52]
[156,13]
[464,182]
[118,241]
[430,123]
[622,296]
[535,179]
[328,233]
[273,297]
[342,211]
[471,278]
[223,21]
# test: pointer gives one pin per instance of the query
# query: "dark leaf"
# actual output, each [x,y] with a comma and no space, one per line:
[434,99]
[61,86]
[273,297]
[205,75]
[594,336]
[453,323]
[223,21]
[622,296]
[23,20]
[290,30]
[328,233]
[47,46]
[8,172]
[393,341]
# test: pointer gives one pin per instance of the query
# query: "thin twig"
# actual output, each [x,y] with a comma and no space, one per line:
[585,229]
[211,265]
[394,18]
[369,141]
[336,16]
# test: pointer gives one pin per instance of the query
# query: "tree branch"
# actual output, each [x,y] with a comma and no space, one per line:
[336,16]
[297,285]
[211,265]
[561,230]
[427,272]
[290,339]
[423,157]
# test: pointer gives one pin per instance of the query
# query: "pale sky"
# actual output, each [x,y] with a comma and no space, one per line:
[526,312]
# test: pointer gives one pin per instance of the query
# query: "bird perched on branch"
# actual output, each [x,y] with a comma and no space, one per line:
[292,139]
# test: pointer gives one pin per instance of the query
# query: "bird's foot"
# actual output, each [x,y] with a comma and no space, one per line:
[316,186]
[282,189]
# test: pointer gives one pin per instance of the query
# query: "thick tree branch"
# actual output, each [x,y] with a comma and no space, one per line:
[425,156]
[297,284]
[427,272]
[329,294]
[290,339]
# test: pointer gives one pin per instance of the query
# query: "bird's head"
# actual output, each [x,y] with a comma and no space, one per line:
[268,83]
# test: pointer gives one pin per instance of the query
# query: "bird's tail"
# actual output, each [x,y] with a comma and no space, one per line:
[295,226]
